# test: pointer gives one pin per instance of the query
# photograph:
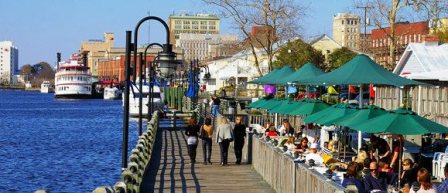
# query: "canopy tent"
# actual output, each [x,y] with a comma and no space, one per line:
[271,77]
[272,103]
[258,102]
[309,106]
[285,108]
[360,116]
[308,70]
[401,121]
[327,116]
[360,70]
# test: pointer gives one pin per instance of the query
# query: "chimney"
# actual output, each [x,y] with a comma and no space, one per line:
[58,59]
[430,40]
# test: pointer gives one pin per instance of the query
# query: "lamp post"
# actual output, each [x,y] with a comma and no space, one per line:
[166,60]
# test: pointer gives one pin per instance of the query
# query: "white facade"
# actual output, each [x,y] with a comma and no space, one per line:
[9,62]
[202,46]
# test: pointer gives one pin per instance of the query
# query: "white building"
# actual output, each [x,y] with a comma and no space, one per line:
[9,62]
[202,46]
[346,30]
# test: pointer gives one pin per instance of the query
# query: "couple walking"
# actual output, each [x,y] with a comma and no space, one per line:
[224,135]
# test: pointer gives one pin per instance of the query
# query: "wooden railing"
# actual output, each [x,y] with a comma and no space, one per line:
[284,175]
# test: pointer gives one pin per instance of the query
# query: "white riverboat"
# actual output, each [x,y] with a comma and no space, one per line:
[112,93]
[73,79]
[134,99]
[45,87]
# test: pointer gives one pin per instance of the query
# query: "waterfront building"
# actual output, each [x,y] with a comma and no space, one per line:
[405,33]
[325,44]
[9,62]
[205,46]
[346,30]
[95,50]
[112,70]
[200,23]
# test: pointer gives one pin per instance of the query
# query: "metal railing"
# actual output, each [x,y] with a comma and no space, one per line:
[132,176]
[284,175]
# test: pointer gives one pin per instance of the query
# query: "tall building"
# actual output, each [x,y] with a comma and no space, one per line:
[9,62]
[197,24]
[205,46]
[96,49]
[346,30]
[405,33]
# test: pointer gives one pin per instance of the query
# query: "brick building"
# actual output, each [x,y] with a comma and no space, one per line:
[405,33]
[113,70]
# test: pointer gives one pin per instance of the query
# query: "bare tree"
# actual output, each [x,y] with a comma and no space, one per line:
[280,19]
[433,9]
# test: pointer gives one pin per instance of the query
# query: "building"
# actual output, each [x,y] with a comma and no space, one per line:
[365,43]
[200,23]
[113,70]
[205,46]
[96,50]
[9,62]
[325,44]
[346,30]
[405,33]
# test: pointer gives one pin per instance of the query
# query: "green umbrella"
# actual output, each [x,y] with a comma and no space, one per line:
[266,76]
[287,107]
[277,75]
[310,106]
[271,103]
[258,102]
[308,70]
[401,121]
[327,116]
[360,70]
[360,116]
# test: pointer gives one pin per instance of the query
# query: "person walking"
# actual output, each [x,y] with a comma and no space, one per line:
[206,135]
[192,141]
[224,136]
[215,105]
[239,132]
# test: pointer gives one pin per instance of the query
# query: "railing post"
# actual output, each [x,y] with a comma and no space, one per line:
[250,135]
[174,120]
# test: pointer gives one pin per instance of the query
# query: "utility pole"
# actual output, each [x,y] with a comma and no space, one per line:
[364,45]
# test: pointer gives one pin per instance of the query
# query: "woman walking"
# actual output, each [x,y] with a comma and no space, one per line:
[239,133]
[206,135]
[192,141]
[224,136]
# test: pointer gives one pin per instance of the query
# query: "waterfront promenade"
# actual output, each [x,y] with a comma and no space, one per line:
[170,169]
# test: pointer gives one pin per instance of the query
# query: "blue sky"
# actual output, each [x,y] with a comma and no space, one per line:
[41,28]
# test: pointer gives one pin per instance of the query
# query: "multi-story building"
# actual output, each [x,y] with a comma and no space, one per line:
[188,23]
[405,33]
[9,62]
[346,30]
[205,46]
[95,50]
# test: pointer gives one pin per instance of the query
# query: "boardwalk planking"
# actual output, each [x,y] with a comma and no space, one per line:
[170,169]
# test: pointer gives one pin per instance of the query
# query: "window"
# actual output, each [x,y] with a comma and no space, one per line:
[211,81]
[177,27]
[211,27]
[204,27]
[186,27]
[211,22]
[195,22]
[177,22]
[186,22]
[203,22]
[342,22]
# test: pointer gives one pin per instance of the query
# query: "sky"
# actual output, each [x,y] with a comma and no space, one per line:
[41,28]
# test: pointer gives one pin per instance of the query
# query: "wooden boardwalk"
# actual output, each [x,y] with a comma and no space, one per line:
[170,169]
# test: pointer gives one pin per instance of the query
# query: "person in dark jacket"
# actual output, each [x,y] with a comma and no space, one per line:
[192,141]
[239,132]
[374,181]
[409,173]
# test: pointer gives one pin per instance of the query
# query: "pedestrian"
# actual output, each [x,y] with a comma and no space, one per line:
[206,135]
[239,132]
[224,136]
[192,141]
[215,105]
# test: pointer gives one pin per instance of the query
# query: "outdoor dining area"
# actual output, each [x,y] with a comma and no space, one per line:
[341,133]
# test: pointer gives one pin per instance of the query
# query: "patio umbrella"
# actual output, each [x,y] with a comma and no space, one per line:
[327,116]
[266,76]
[278,75]
[258,102]
[286,108]
[271,103]
[401,121]
[310,106]
[308,70]
[360,116]
[361,70]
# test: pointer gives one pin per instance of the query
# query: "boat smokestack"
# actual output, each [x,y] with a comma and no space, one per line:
[58,59]
[84,59]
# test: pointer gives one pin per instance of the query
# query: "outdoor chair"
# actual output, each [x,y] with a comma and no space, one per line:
[437,165]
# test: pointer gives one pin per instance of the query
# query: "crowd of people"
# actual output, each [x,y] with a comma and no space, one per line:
[373,169]
[225,134]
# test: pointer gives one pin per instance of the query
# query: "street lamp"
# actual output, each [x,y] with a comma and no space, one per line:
[150,75]
[166,64]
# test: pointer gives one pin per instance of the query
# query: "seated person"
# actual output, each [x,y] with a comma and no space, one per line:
[299,133]
[302,146]
[314,155]
[352,177]
[271,132]
[409,173]
[290,143]
[373,180]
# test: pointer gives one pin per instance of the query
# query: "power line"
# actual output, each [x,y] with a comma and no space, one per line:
[364,46]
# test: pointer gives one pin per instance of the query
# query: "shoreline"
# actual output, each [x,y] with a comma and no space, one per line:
[18,88]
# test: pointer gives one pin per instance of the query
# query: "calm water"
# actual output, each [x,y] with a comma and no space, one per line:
[59,145]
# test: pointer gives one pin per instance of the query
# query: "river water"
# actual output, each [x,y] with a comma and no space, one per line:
[59,145]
